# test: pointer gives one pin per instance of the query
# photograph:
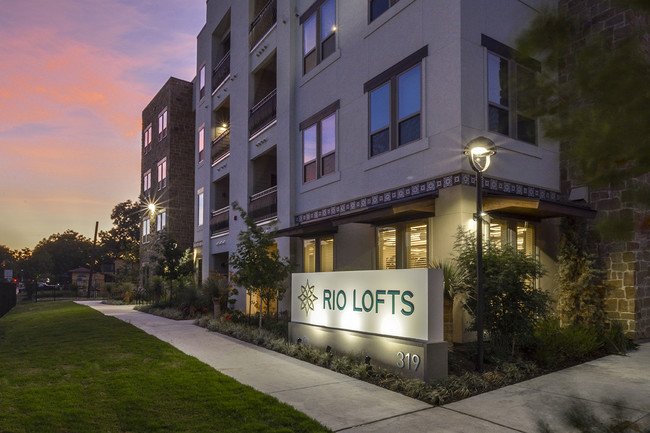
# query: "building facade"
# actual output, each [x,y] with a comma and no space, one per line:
[167,171]
[346,122]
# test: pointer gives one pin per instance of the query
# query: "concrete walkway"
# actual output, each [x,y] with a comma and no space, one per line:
[345,404]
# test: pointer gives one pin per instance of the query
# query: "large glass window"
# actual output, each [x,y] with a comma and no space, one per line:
[403,245]
[146,181]
[395,105]
[161,221]
[519,234]
[378,7]
[201,143]
[199,206]
[162,124]
[318,254]
[318,33]
[510,99]
[319,143]
[146,229]
[162,173]
[147,138]
[202,82]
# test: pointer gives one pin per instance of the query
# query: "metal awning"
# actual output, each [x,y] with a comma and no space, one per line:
[535,208]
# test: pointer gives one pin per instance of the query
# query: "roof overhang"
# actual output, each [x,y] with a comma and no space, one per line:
[535,208]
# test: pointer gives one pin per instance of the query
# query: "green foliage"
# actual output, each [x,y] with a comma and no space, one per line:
[122,241]
[600,118]
[581,291]
[453,277]
[55,256]
[171,261]
[124,381]
[512,302]
[557,345]
[219,290]
[259,267]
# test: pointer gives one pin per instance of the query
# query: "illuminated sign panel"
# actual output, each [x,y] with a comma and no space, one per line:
[394,303]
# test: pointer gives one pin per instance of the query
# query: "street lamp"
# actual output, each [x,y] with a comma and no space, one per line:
[479,151]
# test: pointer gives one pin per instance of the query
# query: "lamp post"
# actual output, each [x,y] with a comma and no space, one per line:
[479,151]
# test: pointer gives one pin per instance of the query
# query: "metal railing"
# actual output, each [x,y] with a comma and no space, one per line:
[264,204]
[221,147]
[221,71]
[263,112]
[220,220]
[263,22]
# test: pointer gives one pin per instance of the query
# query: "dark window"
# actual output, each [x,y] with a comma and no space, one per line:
[318,33]
[510,100]
[319,143]
[378,7]
[395,104]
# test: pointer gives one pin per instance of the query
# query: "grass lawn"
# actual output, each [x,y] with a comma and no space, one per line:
[68,368]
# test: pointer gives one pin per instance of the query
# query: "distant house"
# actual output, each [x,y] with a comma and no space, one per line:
[79,277]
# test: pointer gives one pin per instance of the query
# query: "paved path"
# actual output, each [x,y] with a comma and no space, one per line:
[346,404]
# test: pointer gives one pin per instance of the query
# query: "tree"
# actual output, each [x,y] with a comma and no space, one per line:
[172,262]
[60,253]
[593,96]
[513,304]
[259,267]
[7,259]
[122,241]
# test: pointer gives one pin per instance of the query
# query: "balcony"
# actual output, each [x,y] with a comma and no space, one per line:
[219,222]
[221,71]
[264,204]
[263,113]
[221,147]
[263,23]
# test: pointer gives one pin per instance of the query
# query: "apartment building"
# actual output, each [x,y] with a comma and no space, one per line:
[167,171]
[346,121]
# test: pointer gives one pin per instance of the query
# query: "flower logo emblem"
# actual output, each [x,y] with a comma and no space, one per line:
[307,298]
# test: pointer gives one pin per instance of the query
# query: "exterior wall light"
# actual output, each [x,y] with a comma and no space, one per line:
[479,151]
[152,208]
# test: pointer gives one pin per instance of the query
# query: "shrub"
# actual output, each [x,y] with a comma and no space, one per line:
[557,345]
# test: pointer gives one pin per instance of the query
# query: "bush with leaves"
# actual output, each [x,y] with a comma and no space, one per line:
[218,289]
[513,305]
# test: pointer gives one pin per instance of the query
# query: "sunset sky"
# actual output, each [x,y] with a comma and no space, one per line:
[74,78]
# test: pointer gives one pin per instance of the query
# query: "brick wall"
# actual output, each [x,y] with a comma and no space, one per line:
[627,263]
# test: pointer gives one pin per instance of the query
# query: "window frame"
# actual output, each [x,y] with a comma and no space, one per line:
[162,173]
[391,3]
[317,121]
[146,181]
[163,121]
[391,78]
[318,252]
[146,229]
[515,62]
[316,11]
[161,220]
[202,81]
[147,138]
[200,205]
[201,143]
[402,246]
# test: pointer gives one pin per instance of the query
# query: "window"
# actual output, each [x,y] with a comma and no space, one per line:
[146,229]
[146,181]
[510,99]
[519,234]
[395,105]
[201,143]
[161,221]
[318,33]
[319,143]
[202,82]
[162,174]
[147,139]
[403,245]
[318,254]
[199,205]
[162,125]
[378,7]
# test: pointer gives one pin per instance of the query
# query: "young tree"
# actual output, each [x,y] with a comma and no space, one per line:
[259,267]
[171,261]
[513,304]
[593,96]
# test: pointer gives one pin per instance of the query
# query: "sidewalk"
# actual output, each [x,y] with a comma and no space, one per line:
[345,404]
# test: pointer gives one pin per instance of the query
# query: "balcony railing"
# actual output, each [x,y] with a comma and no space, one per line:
[221,71]
[264,204]
[263,22]
[263,112]
[219,222]
[221,147]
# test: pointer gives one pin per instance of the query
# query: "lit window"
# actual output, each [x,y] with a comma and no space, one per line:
[318,33]
[509,97]
[319,143]
[147,139]
[403,245]
[202,82]
[318,255]
[395,105]
[199,205]
[519,234]
[162,173]
[162,125]
[378,7]
[161,221]
[146,181]
[201,143]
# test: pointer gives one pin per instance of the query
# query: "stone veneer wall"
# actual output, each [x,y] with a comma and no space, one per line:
[627,263]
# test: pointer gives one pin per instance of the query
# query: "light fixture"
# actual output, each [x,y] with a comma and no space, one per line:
[152,208]
[479,151]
